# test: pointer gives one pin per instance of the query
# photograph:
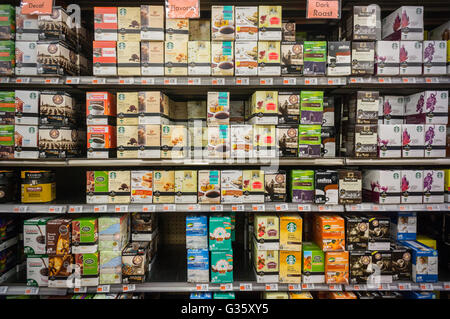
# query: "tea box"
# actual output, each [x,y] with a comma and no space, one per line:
[26,141]
[241,141]
[197,232]
[135,261]
[141,187]
[110,267]
[197,265]
[434,57]
[7,59]
[401,262]
[199,58]
[246,58]
[435,140]
[58,237]
[328,141]
[222,58]
[429,107]
[173,141]
[84,235]
[366,23]
[275,186]
[222,23]
[231,186]
[290,267]
[26,58]
[163,186]
[309,140]
[144,227]
[199,30]
[326,187]
[265,264]
[209,187]
[264,108]
[381,186]
[392,109]
[101,141]
[152,23]
[300,295]
[411,187]
[291,228]
[104,58]
[311,107]
[405,23]
[404,226]
[413,140]
[288,31]
[411,57]
[336,267]
[218,111]
[313,265]
[329,232]
[7,108]
[424,262]
[222,266]
[269,58]
[379,233]
[87,269]
[387,57]
[287,141]
[112,233]
[224,295]
[97,187]
[433,186]
[186,187]
[128,58]
[275,295]
[314,57]
[100,108]
[288,108]
[270,23]
[339,58]
[55,57]
[176,58]
[60,268]
[34,236]
[350,185]
[152,58]
[105,23]
[357,232]
[37,186]
[37,270]
[119,184]
[219,233]
[302,187]
[56,108]
[26,107]
[363,56]
[291,58]
[246,23]
[253,186]
[266,231]
[129,24]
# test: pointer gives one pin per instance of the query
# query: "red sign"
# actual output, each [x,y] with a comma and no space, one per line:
[323,9]
[36,6]
[182,9]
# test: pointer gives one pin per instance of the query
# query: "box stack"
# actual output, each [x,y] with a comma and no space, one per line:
[7,34]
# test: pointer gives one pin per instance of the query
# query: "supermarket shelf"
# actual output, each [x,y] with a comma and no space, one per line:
[21,289]
[370,207]
[33,208]
[9,243]
[397,161]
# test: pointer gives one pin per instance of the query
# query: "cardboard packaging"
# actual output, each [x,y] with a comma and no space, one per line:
[434,57]
[266,231]
[37,186]
[366,140]
[291,58]
[163,187]
[97,187]
[264,141]
[129,24]
[405,23]
[313,265]
[393,108]
[149,141]
[424,262]
[291,228]
[329,232]
[87,269]
[404,226]
[110,267]
[7,108]
[199,58]
[209,187]
[275,186]
[101,141]
[270,23]
[119,187]
[26,58]
[302,190]
[100,108]
[237,112]
[389,141]
[379,233]
[264,108]
[288,108]
[328,140]
[198,141]
[361,267]
[127,141]
[26,141]
[173,141]
[199,30]
[34,236]
[339,58]
[141,187]
[27,28]
[222,23]
[177,30]
[288,31]
[152,23]
[152,58]
[350,187]
[197,232]
[253,186]
[196,111]
[198,265]
[153,108]
[222,58]
[7,59]
[363,56]
[219,141]
[135,261]
[337,267]
[314,57]
[287,141]
[311,107]
[112,233]
[219,233]
[58,277]
[58,25]
[433,186]
[411,57]
[37,270]
[413,140]
[222,266]
[231,187]
[56,58]
[381,186]
[246,23]
[269,58]
[387,57]
[265,264]
[246,58]
[435,140]
[176,58]
[429,107]
[56,108]
[309,140]
[128,58]
[105,58]
[326,187]
[366,23]
[447,185]
[401,262]
[241,141]
[357,232]
[105,23]
[26,107]
[411,187]
[58,237]
[57,142]
[290,267]
[439,33]
[186,187]
[144,226]
[382,268]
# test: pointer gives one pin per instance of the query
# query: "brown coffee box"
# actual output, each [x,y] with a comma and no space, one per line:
[366,140]
[59,270]
[129,24]
[128,58]
[153,107]
[59,237]
[275,186]
[152,23]
[127,141]
[350,187]
[127,108]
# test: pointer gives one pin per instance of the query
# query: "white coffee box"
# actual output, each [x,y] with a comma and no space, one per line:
[26,139]
[413,140]
[241,141]
[405,23]
[433,186]
[392,109]
[387,57]
[27,107]
[389,140]
[411,186]
[231,187]
[435,140]
[246,58]
[434,57]
[411,57]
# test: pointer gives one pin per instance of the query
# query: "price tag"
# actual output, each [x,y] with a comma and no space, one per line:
[446,286]
[98,81]
[121,209]
[359,287]
[55,209]
[310,81]
[80,290]
[266,81]
[237,208]
[271,287]
[170,81]
[307,286]
[148,208]
[128,288]
[259,208]
[20,209]
[294,287]
[76,209]
[404,286]
[169,208]
[4,80]
[51,81]
[216,208]
[150,81]
[103,288]
[352,80]
[202,287]
[428,80]
[194,81]
[409,80]
[242,81]
[218,81]
[281,207]
[402,208]
[427,287]
[226,287]
[322,208]
[290,81]
[3,290]
[381,80]
[375,208]
[31,291]
[304,208]
[194,208]
[72,80]
[335,287]
[23,80]
[334,81]
[126,80]
[384,287]
[246,287]
[100,209]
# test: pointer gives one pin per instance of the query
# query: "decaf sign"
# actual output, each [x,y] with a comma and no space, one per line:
[323,9]
[36,6]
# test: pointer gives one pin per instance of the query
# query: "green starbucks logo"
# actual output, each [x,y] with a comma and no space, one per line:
[396,129]
[112,175]
[32,45]
[166,129]
[290,260]
[33,96]
[439,175]
[122,45]
[442,45]
[291,227]
[394,45]
[396,175]
[443,95]
[418,175]
[419,128]
[418,45]
[157,175]
[123,11]
[441,128]
[169,45]
[121,129]
[31,130]
[121,96]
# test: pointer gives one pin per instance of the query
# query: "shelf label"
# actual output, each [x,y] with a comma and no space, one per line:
[320,9]
[100,209]
[128,288]
[194,81]
[170,81]
[310,81]
[334,81]
[148,208]
[304,208]
[80,290]
[170,208]
[126,80]
[246,287]
[266,81]
[103,288]
[121,209]
[290,81]
[148,81]
[194,208]
[242,81]
[218,81]
[282,207]
[409,80]
[20,209]
[259,208]
[4,80]
[226,287]
[76,209]
[55,209]
[202,287]
[72,80]
[359,287]
[427,287]
[402,207]
[3,290]
[51,81]
[216,208]
[335,287]
[294,287]
[23,80]
[446,285]
[271,287]
[307,286]
[31,291]
[237,208]
[404,286]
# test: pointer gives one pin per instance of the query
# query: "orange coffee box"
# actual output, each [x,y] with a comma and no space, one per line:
[330,232]
[100,108]
[101,141]
[341,295]
[336,267]
[105,58]
[105,23]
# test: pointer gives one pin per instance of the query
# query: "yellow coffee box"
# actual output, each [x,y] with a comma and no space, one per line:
[128,58]
[291,228]
[173,141]
[264,102]
[290,267]
[275,295]
[264,141]
[269,61]
[300,295]
[427,241]
[129,23]
[119,186]
[37,186]
[164,187]
[253,186]
[186,187]
[266,228]
[176,58]
[265,264]
[127,141]
[270,23]
[127,108]
[177,30]
[447,185]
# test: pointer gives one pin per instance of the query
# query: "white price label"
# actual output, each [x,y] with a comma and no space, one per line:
[72,80]
[216,208]
[169,208]
[282,207]
[359,287]
[170,81]
[98,81]
[310,81]
[23,80]
[226,287]
[202,287]
[266,81]
[259,208]
[307,286]
[128,288]
[242,81]
[121,209]
[294,287]
[404,286]
[237,208]
[149,81]
[246,287]
[335,287]
[55,209]
[51,81]
[271,287]
[334,81]
[103,288]
[4,80]
[218,81]
[100,209]
[446,285]
[31,291]
[194,208]
[80,290]
[75,209]
[426,287]
[367,207]
[409,80]
[3,290]
[402,208]
[20,209]
[126,80]
[289,81]
[148,208]
[194,81]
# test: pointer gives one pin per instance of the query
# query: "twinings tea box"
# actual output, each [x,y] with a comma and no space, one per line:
[112,237]
[218,111]
[405,23]
[26,58]
[313,265]
[387,57]
[253,186]
[177,30]
[222,23]
[270,23]
[366,140]
[288,108]
[26,141]
[381,186]
[287,140]
[291,58]
[127,141]
[339,58]
[300,295]
[149,141]
[264,141]
[100,108]
[58,237]
[429,107]
[163,187]
[433,186]
[105,58]
[152,58]
[97,187]
[291,228]
[366,23]
[350,187]
[105,23]
[435,140]
[389,141]
[411,57]
[363,56]
[197,265]
[208,187]
[219,233]
[37,270]
[326,187]
[199,30]
[153,108]
[119,186]
[129,24]
[337,267]
[275,186]
[128,58]
[265,264]
[246,58]
[241,141]
[392,110]
[186,187]
[434,57]
[275,295]
[246,23]
[314,57]
[411,186]
[269,58]
[222,266]
[199,58]
[152,23]
[309,140]
[302,190]
[311,107]
[290,267]
[222,58]
[264,108]
[34,236]
[231,187]
[141,187]
[173,141]
[413,140]
[176,58]
[127,108]
[219,141]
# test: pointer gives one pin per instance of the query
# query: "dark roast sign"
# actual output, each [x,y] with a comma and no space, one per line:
[323,9]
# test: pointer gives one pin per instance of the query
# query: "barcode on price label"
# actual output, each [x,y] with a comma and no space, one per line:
[71,80]
[100,209]
[226,287]
[32,291]
[404,286]
[121,209]
[55,209]
[127,288]
[310,81]
[80,290]
[335,287]
[52,80]
[446,285]
[307,286]
[202,287]
[266,81]
[237,208]
[426,286]
[245,287]
[272,287]
[98,81]
[171,81]
[409,80]
[3,290]
[126,80]
[20,209]
[23,80]
[194,208]
[242,81]
[148,208]
[103,288]
[169,208]
[194,81]
[4,80]
[281,207]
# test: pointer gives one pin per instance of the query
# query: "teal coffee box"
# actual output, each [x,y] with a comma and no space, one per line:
[219,233]
[222,266]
